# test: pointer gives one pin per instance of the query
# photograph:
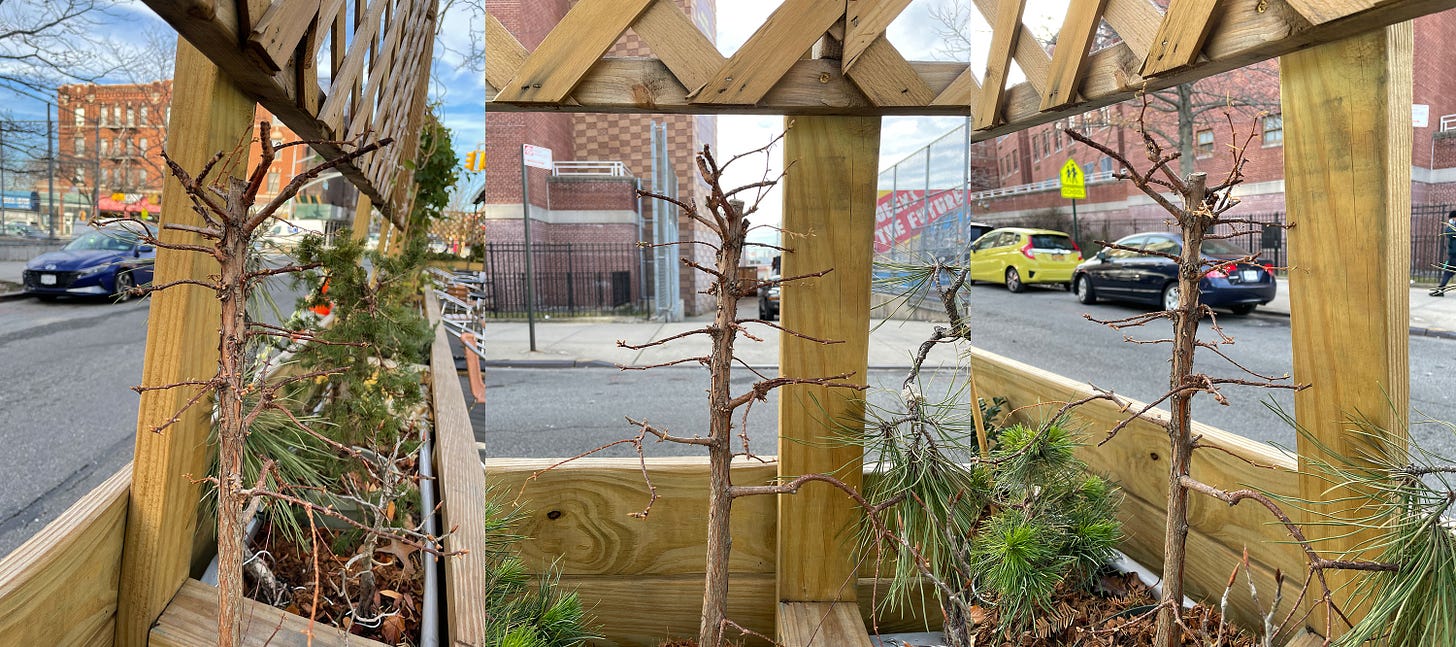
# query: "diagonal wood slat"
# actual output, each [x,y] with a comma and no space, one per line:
[506,53]
[583,36]
[1319,12]
[1135,22]
[1180,36]
[1006,32]
[279,31]
[1030,56]
[961,92]
[865,21]
[332,112]
[673,37]
[887,79]
[1069,59]
[759,64]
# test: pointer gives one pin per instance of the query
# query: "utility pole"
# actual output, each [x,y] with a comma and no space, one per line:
[51,169]
[96,181]
[2,175]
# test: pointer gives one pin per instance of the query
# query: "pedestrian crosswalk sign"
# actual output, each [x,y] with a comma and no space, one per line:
[1074,181]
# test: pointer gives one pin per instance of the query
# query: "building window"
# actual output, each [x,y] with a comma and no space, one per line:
[1448,122]
[273,182]
[1058,137]
[80,175]
[106,176]
[116,115]
[141,177]
[80,116]
[144,115]
[80,145]
[1273,130]
[130,116]
[1204,140]
[103,146]
[142,145]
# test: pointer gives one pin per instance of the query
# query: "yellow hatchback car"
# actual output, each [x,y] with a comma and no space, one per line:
[1018,257]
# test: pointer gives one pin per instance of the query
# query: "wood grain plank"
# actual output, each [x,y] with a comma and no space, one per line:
[60,586]
[887,79]
[833,195]
[277,34]
[577,515]
[181,346]
[1135,22]
[1070,56]
[587,31]
[461,479]
[673,37]
[865,22]
[821,624]
[1347,136]
[191,621]
[1030,56]
[772,50]
[1180,37]
[1006,32]
[961,92]
[1318,12]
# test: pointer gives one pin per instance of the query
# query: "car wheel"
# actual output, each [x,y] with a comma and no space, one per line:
[1243,308]
[1084,291]
[124,285]
[1170,296]
[1013,280]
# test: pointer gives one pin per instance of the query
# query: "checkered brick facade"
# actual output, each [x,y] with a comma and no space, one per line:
[607,137]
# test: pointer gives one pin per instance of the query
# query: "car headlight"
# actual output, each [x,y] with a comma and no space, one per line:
[95,269]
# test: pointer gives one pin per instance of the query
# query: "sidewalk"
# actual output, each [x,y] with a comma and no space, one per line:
[580,343]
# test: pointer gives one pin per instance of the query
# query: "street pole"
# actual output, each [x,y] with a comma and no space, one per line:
[96,181]
[1076,233]
[530,274]
[51,169]
[2,176]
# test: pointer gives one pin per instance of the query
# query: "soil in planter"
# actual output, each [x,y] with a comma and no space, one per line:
[398,573]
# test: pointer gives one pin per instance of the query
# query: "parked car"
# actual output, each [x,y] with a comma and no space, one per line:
[768,301]
[1020,257]
[100,262]
[1122,275]
[21,230]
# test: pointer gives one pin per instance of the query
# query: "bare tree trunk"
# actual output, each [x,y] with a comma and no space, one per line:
[720,432]
[1185,334]
[233,250]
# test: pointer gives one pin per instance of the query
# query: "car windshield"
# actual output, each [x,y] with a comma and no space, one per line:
[1051,241]
[107,239]
[1223,248]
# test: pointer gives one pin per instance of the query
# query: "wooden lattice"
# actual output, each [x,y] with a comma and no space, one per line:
[378,61]
[769,73]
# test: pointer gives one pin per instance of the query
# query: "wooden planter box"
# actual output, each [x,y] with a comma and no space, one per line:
[62,586]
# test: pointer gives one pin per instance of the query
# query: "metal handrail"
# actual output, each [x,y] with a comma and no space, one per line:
[1044,185]
[591,167]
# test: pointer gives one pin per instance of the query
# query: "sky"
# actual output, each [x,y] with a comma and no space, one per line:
[458,87]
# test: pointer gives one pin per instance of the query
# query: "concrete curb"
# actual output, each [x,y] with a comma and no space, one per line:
[13,296]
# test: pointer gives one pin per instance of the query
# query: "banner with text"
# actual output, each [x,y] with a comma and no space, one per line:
[900,215]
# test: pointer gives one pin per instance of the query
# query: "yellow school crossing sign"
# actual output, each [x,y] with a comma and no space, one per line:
[1074,182]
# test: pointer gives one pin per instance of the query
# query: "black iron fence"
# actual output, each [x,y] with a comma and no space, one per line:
[572,279]
[1428,248]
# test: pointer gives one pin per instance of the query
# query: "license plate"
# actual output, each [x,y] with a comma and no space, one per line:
[47,279]
[1250,275]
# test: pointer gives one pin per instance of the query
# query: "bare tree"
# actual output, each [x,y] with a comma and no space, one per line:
[46,44]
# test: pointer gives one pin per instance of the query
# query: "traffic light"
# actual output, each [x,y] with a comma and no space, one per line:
[470,161]
[480,160]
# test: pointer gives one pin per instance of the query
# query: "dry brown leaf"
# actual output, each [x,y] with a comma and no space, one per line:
[392,629]
[401,551]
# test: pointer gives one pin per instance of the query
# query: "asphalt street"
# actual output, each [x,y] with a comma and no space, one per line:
[559,412]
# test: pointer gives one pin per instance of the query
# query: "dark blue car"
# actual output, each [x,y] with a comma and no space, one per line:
[100,262]
[1121,275]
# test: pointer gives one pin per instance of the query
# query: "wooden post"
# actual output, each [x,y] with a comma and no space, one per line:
[363,216]
[829,196]
[1347,152]
[182,344]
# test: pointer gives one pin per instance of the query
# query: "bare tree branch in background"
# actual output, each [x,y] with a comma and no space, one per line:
[47,44]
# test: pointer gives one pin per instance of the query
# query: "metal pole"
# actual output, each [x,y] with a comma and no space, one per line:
[965,188]
[1076,232]
[641,251]
[2,176]
[96,181]
[530,276]
[51,170]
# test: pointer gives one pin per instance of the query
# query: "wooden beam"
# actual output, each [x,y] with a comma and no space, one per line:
[460,478]
[1180,37]
[865,22]
[182,345]
[772,50]
[1006,32]
[1069,59]
[1318,12]
[587,31]
[673,37]
[831,197]
[276,35]
[1347,150]
[59,587]
[822,624]
[1029,55]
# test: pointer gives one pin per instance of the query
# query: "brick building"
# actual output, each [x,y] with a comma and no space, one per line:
[582,202]
[109,152]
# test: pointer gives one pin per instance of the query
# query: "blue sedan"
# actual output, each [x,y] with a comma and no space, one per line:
[1123,275]
[101,262]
